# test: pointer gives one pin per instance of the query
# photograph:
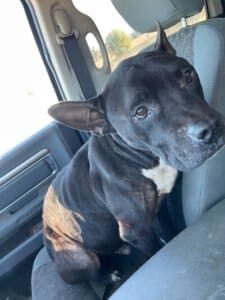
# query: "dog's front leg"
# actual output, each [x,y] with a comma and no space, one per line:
[133,204]
[141,238]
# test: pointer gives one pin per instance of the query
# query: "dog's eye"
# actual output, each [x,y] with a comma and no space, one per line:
[141,112]
[188,76]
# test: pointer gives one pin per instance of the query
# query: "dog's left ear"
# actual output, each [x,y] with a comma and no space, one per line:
[162,44]
[82,115]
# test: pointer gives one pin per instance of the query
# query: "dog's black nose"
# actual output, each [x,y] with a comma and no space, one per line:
[205,131]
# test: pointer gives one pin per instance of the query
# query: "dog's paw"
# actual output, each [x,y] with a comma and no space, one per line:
[115,276]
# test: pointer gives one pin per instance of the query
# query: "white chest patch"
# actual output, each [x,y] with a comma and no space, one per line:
[163,176]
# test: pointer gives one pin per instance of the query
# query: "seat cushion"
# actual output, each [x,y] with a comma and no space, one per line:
[47,285]
[190,267]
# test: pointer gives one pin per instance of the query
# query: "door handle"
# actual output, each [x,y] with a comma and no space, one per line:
[22,184]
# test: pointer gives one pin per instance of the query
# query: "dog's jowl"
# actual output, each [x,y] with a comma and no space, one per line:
[150,121]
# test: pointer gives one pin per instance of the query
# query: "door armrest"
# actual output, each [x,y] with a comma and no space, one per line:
[190,267]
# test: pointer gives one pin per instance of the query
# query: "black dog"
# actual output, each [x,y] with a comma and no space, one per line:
[150,121]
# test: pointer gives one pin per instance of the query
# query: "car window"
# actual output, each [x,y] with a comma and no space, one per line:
[26,90]
[120,39]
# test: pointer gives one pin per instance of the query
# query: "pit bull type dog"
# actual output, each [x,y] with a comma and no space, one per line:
[150,121]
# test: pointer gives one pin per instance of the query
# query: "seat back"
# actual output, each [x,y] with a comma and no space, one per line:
[204,187]
[203,45]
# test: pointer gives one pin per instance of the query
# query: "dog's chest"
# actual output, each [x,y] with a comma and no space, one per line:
[163,176]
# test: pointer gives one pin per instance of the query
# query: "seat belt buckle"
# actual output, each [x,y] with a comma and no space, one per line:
[64,25]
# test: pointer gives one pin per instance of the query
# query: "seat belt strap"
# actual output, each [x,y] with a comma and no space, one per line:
[78,63]
[67,38]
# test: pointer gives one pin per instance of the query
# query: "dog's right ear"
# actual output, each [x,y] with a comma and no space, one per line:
[162,44]
[82,115]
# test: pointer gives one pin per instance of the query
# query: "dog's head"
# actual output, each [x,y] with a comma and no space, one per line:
[154,102]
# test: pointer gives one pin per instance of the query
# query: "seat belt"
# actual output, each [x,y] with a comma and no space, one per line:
[68,40]
[78,63]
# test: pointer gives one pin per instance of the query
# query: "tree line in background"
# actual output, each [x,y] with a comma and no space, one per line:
[117,43]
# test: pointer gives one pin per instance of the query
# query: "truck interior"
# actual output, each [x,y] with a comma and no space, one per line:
[78,56]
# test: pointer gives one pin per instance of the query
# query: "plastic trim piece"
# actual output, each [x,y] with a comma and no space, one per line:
[19,254]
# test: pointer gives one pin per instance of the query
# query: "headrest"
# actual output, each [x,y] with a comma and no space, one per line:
[142,15]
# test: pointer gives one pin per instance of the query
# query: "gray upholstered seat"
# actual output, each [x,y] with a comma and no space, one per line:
[47,284]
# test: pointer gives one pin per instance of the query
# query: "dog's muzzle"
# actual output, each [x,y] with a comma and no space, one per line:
[206,131]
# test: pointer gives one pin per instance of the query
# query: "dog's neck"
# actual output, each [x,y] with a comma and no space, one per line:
[147,163]
[138,158]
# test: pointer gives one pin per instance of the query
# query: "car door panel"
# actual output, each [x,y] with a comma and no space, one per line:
[25,174]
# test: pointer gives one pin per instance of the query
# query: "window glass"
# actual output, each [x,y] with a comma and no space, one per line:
[120,39]
[95,50]
[26,90]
